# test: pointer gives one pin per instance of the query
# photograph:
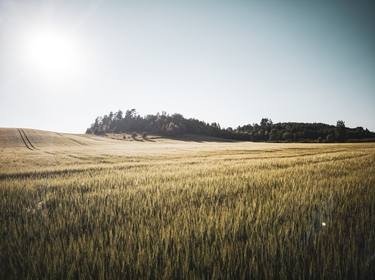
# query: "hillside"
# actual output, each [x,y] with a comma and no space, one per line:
[35,149]
[33,138]
[39,140]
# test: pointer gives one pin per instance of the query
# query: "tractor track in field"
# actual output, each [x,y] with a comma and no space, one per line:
[26,140]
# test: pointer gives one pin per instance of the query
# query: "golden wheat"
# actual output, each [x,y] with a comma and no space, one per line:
[233,212]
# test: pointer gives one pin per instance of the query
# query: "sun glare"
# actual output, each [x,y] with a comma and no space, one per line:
[52,53]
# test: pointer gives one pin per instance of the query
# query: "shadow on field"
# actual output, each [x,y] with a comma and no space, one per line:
[200,139]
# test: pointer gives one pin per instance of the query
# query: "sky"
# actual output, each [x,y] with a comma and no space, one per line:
[62,63]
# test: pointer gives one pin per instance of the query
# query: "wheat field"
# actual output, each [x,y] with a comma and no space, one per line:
[81,207]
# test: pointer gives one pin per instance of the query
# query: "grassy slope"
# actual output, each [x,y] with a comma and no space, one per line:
[164,208]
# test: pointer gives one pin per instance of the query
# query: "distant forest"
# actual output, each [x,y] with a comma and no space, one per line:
[176,125]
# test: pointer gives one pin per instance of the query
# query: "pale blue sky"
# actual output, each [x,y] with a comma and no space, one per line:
[232,62]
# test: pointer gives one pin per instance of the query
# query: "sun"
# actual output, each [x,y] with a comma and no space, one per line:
[52,53]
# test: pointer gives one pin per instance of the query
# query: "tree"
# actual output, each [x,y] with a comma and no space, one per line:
[118,115]
[215,125]
[130,114]
[340,124]
[340,130]
[265,122]
[110,116]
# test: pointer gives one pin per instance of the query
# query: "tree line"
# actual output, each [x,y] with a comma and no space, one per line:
[177,125]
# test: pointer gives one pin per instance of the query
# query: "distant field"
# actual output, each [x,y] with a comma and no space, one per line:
[78,206]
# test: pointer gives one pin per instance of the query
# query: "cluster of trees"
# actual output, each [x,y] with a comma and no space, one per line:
[266,130]
[162,124]
[304,132]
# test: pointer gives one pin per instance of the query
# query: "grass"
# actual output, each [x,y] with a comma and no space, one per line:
[207,211]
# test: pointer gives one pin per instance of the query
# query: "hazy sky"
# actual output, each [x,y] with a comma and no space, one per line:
[62,63]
